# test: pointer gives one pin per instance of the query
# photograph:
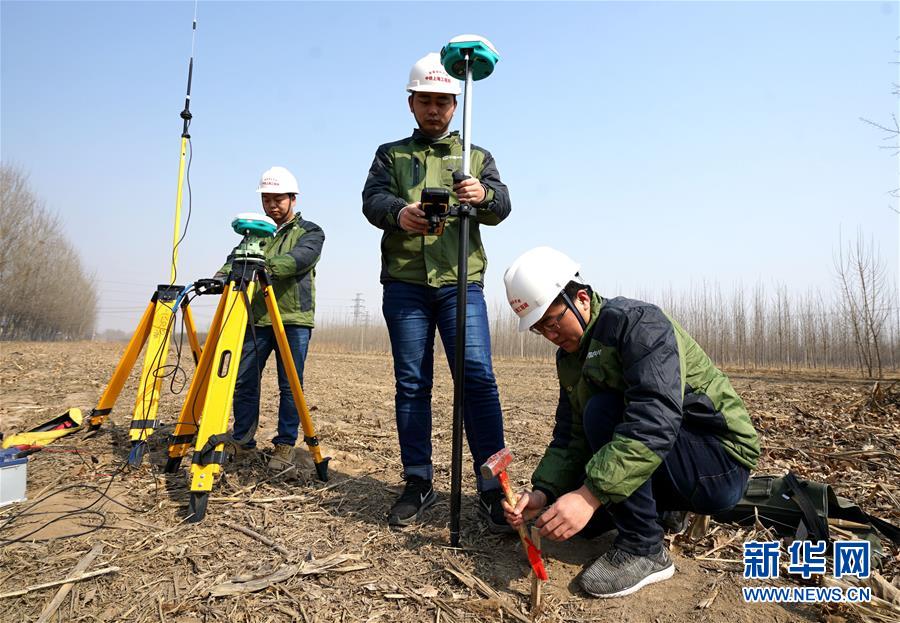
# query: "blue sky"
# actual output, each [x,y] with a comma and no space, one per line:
[659,144]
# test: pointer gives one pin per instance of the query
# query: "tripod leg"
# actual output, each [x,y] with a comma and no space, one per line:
[189,418]
[287,359]
[191,331]
[226,358]
[143,419]
[123,369]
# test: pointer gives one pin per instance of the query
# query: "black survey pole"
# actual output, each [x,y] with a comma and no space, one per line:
[459,363]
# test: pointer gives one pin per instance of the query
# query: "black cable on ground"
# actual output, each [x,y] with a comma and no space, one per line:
[85,510]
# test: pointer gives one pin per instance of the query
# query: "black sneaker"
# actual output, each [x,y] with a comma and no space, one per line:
[617,572]
[490,510]
[418,495]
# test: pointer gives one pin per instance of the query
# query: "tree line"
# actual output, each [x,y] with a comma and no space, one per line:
[854,327]
[45,293]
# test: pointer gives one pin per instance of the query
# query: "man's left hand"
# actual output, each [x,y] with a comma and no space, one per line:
[470,191]
[568,515]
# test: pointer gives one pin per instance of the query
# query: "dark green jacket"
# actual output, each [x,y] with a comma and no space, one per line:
[666,381]
[398,174]
[291,257]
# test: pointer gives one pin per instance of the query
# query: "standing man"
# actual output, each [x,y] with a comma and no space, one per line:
[419,274]
[645,423]
[291,257]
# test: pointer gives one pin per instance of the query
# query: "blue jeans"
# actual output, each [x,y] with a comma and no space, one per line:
[412,313]
[697,475]
[246,390]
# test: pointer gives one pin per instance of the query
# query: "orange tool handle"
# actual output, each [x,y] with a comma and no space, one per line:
[532,552]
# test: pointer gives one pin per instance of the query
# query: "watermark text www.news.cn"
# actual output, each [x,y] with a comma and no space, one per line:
[807,559]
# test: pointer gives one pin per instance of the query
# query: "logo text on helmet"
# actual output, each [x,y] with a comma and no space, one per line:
[436,77]
[518,305]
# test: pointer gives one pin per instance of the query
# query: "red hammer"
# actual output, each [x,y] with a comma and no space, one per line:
[495,467]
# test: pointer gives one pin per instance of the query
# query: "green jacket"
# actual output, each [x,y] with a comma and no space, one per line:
[396,178]
[666,381]
[291,257]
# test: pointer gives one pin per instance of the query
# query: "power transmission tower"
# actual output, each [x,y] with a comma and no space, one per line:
[360,319]
[359,308]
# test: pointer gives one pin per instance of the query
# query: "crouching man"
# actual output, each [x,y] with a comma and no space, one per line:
[645,423]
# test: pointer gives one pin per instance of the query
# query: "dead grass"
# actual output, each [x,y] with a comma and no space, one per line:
[289,548]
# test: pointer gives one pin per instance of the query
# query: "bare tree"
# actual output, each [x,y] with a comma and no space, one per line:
[824,327]
[862,278]
[890,131]
[45,293]
[739,318]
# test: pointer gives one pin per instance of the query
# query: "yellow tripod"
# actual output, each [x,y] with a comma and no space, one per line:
[155,330]
[203,420]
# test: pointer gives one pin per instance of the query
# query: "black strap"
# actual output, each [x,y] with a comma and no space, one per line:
[817,526]
[889,530]
[179,439]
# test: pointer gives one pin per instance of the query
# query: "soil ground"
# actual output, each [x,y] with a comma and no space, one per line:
[339,561]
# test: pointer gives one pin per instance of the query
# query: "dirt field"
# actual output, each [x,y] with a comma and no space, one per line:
[330,555]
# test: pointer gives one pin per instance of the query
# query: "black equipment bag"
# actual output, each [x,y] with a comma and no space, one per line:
[801,509]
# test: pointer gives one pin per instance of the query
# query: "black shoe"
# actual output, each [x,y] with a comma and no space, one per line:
[418,495]
[490,510]
[617,572]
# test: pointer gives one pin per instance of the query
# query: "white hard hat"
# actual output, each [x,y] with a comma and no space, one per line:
[429,75]
[534,280]
[278,180]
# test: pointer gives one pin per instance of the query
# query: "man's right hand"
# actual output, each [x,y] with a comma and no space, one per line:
[529,506]
[412,218]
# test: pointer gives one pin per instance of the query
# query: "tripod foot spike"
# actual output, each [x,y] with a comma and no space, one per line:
[322,469]
[197,507]
[138,450]
[173,464]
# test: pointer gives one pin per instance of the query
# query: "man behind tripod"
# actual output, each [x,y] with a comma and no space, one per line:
[291,258]
[419,274]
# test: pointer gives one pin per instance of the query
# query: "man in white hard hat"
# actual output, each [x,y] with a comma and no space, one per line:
[291,258]
[645,423]
[418,272]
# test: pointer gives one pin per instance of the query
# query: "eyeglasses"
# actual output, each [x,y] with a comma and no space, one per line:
[549,325]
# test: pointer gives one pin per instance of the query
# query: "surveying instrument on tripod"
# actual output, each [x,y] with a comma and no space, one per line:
[156,325]
[469,58]
[204,416]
